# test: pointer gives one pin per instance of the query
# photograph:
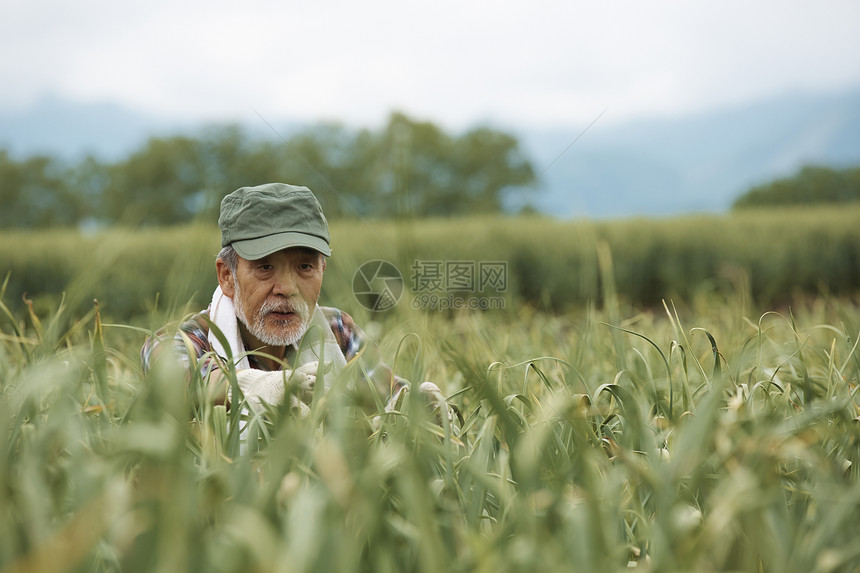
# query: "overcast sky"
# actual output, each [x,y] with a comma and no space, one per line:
[544,62]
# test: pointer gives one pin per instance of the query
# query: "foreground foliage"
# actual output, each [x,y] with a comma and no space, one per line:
[596,441]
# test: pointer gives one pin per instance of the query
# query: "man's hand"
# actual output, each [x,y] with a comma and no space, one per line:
[261,387]
[436,404]
[304,377]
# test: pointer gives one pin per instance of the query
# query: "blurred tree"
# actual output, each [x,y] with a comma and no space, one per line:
[35,192]
[326,159]
[89,182]
[408,168]
[489,163]
[420,170]
[810,185]
[230,159]
[161,184]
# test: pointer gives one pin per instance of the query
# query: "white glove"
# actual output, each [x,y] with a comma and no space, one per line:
[434,398]
[261,387]
[304,377]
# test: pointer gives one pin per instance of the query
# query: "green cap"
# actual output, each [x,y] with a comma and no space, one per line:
[261,220]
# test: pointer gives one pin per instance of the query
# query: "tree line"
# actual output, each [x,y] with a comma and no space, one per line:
[406,168]
[811,185]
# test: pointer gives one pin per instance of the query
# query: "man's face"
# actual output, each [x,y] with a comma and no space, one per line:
[275,296]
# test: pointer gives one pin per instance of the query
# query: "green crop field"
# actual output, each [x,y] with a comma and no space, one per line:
[657,396]
[770,256]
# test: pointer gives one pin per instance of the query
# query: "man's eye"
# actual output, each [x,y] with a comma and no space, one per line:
[265,267]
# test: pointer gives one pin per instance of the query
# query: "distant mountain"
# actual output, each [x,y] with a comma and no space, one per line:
[107,130]
[55,126]
[657,166]
[702,162]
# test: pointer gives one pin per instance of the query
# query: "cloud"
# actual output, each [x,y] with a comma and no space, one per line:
[549,62]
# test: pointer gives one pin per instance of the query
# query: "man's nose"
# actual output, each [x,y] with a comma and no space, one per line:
[285,283]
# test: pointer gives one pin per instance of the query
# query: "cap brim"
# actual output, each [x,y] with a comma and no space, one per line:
[253,249]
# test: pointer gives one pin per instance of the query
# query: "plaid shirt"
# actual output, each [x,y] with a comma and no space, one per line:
[353,342]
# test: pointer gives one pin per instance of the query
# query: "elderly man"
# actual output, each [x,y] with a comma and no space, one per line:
[275,241]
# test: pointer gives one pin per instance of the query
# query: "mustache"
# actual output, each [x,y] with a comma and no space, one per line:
[283,306]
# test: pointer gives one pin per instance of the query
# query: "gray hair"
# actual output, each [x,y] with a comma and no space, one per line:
[230,257]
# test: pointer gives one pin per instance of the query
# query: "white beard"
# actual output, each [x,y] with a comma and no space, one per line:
[258,326]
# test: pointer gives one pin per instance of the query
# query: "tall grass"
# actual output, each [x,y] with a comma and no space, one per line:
[144,275]
[598,440]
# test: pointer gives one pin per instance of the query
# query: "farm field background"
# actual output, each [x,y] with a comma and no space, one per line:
[665,395]
[770,256]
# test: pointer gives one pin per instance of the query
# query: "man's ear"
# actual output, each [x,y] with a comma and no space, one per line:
[323,264]
[225,278]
